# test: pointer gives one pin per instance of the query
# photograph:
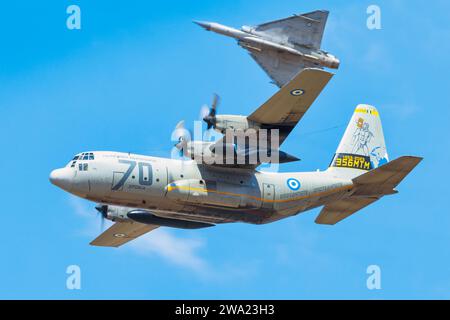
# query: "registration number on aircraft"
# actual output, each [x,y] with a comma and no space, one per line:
[345,160]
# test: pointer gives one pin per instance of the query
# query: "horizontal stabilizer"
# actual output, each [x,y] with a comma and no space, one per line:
[382,180]
[368,188]
[336,211]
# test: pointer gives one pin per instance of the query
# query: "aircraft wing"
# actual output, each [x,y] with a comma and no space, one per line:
[285,109]
[281,67]
[304,29]
[122,232]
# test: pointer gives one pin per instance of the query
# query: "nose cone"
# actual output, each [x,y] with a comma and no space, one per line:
[337,63]
[204,24]
[62,178]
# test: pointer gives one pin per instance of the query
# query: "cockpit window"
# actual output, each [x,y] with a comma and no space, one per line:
[85,156]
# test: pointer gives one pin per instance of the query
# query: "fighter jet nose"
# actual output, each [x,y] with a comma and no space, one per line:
[204,24]
[62,178]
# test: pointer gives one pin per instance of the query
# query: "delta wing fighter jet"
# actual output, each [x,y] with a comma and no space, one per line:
[283,47]
[141,193]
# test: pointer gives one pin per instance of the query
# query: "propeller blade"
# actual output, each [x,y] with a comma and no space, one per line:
[215,103]
[181,135]
[210,117]
[180,125]
[103,210]
[204,111]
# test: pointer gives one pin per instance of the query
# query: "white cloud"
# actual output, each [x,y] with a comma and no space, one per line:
[179,251]
[80,207]
[86,210]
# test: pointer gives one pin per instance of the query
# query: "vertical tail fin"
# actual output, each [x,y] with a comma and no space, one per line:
[362,147]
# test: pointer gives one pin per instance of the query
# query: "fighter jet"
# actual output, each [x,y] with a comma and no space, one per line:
[140,193]
[283,47]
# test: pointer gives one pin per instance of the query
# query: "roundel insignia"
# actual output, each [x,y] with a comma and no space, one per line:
[120,235]
[293,184]
[297,92]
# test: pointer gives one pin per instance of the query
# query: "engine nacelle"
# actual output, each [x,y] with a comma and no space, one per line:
[114,213]
[234,122]
[119,213]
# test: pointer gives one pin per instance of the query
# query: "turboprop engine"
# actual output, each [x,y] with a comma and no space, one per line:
[123,214]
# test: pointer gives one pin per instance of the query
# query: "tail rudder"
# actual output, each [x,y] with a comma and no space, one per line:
[362,147]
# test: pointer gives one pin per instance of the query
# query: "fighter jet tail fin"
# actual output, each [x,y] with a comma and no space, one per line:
[304,29]
[362,147]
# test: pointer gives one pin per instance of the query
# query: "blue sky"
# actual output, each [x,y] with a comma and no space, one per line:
[136,68]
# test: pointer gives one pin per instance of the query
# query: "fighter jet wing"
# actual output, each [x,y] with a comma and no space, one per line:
[285,109]
[281,67]
[122,232]
[305,29]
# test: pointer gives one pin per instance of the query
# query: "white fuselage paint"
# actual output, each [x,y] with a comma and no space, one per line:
[184,189]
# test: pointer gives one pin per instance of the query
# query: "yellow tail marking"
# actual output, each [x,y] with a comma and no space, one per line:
[367,111]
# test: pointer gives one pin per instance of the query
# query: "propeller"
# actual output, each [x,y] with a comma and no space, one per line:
[103,210]
[181,135]
[208,114]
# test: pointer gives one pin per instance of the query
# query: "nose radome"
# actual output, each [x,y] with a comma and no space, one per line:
[62,178]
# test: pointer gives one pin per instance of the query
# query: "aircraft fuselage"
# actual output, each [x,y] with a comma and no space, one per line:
[184,189]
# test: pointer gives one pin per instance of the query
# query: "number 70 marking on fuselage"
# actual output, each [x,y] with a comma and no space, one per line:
[143,181]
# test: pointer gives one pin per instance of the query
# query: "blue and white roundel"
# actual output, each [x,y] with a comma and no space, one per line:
[297,92]
[293,184]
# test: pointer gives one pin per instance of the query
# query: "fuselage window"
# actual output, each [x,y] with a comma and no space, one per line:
[83,167]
